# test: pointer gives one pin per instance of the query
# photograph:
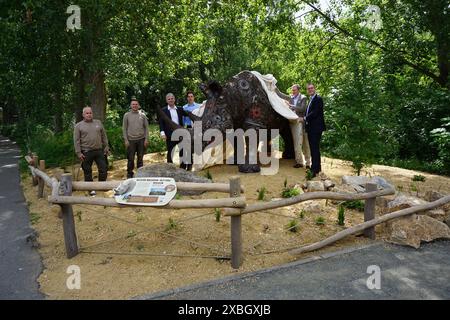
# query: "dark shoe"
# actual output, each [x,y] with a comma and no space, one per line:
[298,165]
[129,176]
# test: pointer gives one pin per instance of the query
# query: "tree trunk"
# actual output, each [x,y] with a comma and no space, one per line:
[97,97]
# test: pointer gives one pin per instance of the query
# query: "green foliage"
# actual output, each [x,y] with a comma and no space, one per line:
[217,214]
[320,221]
[34,217]
[341,216]
[302,213]
[290,192]
[292,226]
[261,193]
[353,204]
[418,177]
[171,225]
[309,175]
[208,175]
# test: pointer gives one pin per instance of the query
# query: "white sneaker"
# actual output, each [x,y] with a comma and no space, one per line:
[92,193]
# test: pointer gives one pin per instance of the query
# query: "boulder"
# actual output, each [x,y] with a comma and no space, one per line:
[328,184]
[313,207]
[404,201]
[433,196]
[412,230]
[170,170]
[359,182]
[312,186]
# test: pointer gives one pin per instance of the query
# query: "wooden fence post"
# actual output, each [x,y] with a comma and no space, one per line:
[236,226]
[35,164]
[70,236]
[369,211]
[41,182]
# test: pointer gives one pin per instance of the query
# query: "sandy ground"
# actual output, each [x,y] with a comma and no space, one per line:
[134,246]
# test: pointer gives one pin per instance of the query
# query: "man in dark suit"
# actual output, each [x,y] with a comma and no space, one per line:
[314,125]
[176,115]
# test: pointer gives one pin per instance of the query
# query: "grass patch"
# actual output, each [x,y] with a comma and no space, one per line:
[34,217]
[353,204]
[292,226]
[261,193]
[320,221]
[341,216]
[418,177]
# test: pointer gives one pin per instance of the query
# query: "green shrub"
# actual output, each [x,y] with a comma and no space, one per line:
[354,204]
[290,192]
[292,226]
[418,177]
[320,221]
[261,193]
[341,216]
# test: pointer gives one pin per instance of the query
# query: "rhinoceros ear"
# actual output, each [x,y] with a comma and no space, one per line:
[215,87]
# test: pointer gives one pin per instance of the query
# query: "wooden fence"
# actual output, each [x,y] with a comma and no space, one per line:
[235,206]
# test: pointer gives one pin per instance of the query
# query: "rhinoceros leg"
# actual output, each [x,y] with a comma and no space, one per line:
[251,164]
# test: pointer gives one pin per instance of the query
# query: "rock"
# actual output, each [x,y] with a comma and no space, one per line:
[171,171]
[403,202]
[313,208]
[381,182]
[355,180]
[447,221]
[410,231]
[314,186]
[433,195]
[359,182]
[328,184]
[345,188]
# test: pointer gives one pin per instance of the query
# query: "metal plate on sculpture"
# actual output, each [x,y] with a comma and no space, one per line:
[157,191]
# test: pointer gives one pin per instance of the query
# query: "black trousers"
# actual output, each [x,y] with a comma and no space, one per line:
[135,147]
[314,145]
[170,146]
[99,158]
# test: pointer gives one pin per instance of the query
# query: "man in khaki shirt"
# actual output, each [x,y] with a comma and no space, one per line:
[135,135]
[91,144]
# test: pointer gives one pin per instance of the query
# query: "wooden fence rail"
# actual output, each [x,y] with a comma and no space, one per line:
[235,206]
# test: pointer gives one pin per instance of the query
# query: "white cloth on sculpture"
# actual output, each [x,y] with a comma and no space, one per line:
[268,83]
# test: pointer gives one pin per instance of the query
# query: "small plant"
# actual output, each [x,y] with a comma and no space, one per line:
[400,188]
[208,175]
[290,192]
[178,196]
[34,218]
[131,234]
[353,204]
[79,213]
[261,193]
[413,187]
[320,221]
[341,216]
[302,213]
[140,247]
[217,214]
[171,225]
[292,226]
[418,177]
[285,183]
[309,175]
[140,217]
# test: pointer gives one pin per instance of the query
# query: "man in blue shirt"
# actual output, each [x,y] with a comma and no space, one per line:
[190,106]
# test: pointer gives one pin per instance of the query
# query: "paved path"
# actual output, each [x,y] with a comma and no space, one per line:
[20,263]
[406,273]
